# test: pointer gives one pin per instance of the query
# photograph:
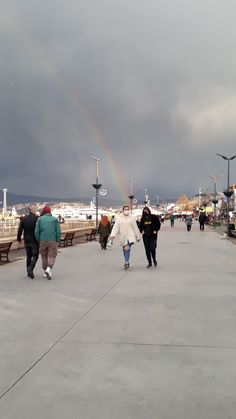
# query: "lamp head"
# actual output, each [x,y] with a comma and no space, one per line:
[94,158]
[226,158]
[223,157]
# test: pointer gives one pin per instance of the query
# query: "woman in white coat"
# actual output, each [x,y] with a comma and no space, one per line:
[127,230]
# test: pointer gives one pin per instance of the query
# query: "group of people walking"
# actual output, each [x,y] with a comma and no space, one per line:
[189,221]
[128,232]
[41,235]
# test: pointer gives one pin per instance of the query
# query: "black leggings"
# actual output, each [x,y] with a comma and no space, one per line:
[150,245]
[104,241]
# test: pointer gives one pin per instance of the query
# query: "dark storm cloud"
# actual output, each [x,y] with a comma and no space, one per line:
[155,79]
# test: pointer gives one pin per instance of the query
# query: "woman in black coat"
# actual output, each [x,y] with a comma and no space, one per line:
[149,227]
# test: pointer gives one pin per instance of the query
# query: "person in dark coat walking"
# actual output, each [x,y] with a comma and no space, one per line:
[149,227]
[104,231]
[202,220]
[27,225]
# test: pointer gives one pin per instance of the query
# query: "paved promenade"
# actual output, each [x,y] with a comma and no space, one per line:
[101,343]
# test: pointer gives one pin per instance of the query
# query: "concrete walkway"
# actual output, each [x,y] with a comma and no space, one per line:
[101,343]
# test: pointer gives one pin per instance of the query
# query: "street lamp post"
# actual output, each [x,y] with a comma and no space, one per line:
[4,205]
[131,195]
[199,198]
[96,186]
[227,193]
[201,188]
[145,196]
[215,200]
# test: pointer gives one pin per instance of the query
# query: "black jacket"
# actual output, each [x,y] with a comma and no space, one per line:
[150,224]
[202,218]
[27,225]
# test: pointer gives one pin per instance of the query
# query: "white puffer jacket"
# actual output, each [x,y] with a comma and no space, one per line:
[127,230]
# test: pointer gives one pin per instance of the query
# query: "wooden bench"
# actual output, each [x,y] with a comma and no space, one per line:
[67,240]
[92,235]
[4,251]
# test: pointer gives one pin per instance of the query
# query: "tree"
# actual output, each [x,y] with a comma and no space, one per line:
[185,203]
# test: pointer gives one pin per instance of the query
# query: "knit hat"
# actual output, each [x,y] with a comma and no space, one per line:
[104,220]
[46,210]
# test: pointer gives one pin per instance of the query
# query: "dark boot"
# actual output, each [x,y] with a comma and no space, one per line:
[30,273]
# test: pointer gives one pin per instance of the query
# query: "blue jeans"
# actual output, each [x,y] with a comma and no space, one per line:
[127,252]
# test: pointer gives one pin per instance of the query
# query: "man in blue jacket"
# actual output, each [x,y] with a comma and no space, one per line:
[48,234]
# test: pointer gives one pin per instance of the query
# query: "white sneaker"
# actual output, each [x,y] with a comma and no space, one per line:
[44,275]
[48,273]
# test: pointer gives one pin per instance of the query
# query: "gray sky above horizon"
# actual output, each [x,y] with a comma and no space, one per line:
[149,83]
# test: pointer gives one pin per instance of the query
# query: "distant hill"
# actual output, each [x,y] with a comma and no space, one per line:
[14,199]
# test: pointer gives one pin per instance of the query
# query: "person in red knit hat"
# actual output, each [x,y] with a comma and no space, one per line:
[46,210]
[48,234]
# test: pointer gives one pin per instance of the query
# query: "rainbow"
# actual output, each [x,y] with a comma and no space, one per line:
[74,99]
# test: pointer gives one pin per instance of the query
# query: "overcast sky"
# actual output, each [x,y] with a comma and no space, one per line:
[151,83]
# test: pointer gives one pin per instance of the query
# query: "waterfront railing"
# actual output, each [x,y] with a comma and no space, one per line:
[9,228]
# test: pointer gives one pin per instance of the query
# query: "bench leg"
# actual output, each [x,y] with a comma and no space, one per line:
[4,257]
